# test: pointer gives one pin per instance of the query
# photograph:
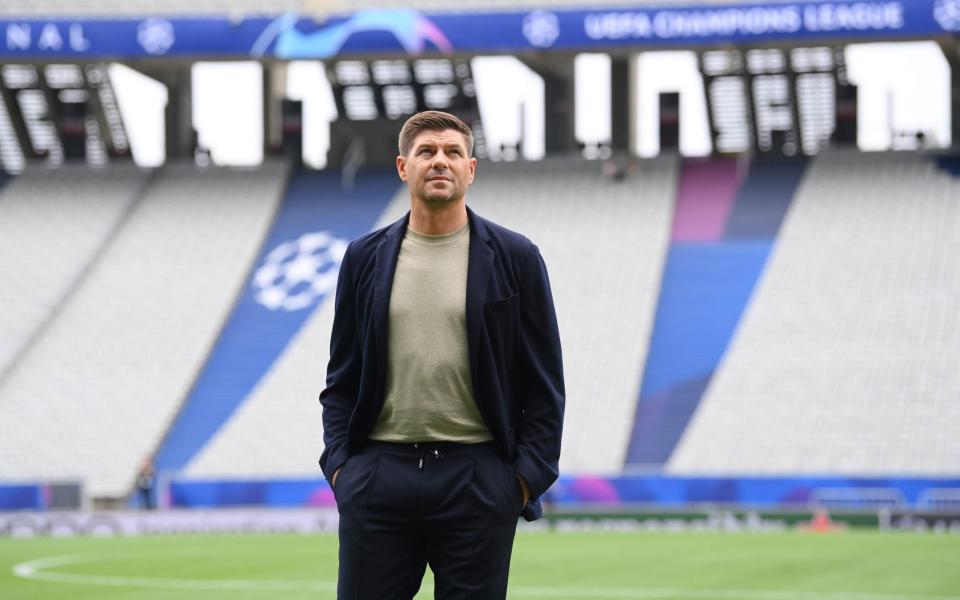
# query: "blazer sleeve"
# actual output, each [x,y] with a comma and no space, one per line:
[343,373]
[540,379]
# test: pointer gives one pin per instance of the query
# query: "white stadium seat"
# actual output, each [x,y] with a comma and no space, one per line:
[96,393]
[53,222]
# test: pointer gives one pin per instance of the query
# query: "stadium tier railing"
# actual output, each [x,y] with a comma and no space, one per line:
[945,499]
[858,498]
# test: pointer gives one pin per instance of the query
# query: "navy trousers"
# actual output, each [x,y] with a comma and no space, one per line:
[405,506]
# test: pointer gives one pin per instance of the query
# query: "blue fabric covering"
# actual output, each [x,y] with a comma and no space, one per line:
[705,288]
[764,199]
[256,335]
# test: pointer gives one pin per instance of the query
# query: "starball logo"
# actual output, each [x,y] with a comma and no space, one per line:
[541,28]
[298,272]
[947,14]
[156,36]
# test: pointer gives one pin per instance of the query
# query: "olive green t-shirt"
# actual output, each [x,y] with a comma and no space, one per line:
[429,396]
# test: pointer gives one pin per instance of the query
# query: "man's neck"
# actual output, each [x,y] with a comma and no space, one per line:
[437,221]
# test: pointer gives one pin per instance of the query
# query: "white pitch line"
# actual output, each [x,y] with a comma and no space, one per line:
[37,570]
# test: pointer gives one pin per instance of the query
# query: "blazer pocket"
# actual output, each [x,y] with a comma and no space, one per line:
[500,320]
[497,306]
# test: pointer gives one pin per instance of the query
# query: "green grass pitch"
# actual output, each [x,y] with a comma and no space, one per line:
[585,566]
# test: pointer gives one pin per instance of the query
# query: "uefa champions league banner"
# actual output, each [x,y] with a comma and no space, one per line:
[412,32]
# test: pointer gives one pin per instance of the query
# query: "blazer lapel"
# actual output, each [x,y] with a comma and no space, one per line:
[478,274]
[385,266]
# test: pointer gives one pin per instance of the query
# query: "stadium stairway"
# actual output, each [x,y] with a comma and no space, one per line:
[294,272]
[722,235]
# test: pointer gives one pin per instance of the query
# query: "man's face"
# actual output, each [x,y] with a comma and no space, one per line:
[437,169]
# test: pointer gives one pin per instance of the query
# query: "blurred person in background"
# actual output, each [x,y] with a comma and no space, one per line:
[146,482]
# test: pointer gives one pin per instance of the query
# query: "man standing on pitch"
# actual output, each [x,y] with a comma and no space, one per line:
[444,402]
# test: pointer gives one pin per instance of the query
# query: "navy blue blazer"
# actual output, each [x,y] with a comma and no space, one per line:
[514,349]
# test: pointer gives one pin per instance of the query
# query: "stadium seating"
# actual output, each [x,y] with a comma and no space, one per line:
[315,222]
[590,231]
[97,391]
[842,363]
[277,431]
[727,217]
[605,243]
[52,224]
[845,360]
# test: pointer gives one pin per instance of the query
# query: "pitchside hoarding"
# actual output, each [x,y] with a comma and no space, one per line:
[291,36]
[325,520]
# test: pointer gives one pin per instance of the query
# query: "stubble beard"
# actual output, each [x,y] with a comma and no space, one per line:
[439,200]
[434,201]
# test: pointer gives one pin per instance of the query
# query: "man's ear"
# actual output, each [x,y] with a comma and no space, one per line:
[402,167]
[473,169]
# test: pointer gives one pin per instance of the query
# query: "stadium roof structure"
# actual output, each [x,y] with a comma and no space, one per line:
[763,64]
